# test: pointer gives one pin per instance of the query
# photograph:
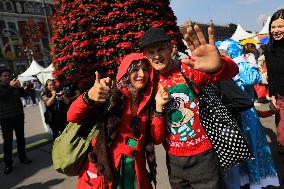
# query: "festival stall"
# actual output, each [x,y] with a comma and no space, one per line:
[240,34]
[263,34]
[253,40]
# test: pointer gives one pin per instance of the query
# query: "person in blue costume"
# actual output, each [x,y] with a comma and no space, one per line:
[261,171]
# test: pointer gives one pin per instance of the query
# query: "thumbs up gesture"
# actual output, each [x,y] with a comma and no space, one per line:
[100,90]
[205,56]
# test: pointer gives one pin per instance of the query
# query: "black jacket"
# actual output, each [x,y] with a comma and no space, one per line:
[10,102]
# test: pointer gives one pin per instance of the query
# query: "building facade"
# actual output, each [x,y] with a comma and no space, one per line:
[24,33]
[221,32]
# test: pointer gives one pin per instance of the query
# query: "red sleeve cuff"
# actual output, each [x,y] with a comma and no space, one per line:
[228,70]
[77,110]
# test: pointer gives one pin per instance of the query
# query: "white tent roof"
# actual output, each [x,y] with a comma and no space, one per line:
[26,78]
[241,34]
[45,74]
[34,69]
[48,69]
[265,29]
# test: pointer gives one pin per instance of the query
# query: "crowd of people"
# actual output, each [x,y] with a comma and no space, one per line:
[152,103]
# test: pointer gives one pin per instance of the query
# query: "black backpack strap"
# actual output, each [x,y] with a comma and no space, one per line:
[190,83]
[233,96]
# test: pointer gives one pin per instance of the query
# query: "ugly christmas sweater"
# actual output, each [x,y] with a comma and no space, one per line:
[185,135]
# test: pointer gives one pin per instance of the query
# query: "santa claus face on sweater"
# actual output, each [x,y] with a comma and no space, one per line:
[179,112]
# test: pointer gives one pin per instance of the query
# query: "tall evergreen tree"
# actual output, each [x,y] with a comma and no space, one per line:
[90,35]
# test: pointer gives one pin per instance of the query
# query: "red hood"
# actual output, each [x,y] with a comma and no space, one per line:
[122,70]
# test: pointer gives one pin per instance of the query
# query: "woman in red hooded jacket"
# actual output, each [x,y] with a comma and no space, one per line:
[127,152]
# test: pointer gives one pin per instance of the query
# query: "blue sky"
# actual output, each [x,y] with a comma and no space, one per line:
[249,13]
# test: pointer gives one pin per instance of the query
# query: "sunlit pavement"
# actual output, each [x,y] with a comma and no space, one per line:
[41,175]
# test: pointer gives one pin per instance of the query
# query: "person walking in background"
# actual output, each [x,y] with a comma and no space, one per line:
[261,88]
[38,89]
[12,118]
[191,160]
[274,56]
[176,54]
[25,99]
[56,107]
[249,49]
[31,92]
[133,123]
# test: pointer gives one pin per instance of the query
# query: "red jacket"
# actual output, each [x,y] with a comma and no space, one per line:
[79,110]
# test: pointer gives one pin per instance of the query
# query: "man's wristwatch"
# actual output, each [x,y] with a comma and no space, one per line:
[87,99]
[159,114]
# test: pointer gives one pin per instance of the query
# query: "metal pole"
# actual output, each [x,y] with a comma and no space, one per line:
[46,20]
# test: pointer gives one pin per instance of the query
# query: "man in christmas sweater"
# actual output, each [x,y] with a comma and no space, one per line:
[191,161]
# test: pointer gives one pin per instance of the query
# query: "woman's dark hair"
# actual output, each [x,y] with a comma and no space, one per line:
[49,80]
[278,14]
[248,47]
[46,83]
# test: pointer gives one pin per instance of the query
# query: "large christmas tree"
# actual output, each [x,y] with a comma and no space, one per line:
[90,35]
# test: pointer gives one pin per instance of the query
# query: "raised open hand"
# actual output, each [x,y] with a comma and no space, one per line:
[162,97]
[205,56]
[100,90]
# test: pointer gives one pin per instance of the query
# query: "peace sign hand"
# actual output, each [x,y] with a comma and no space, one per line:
[100,90]
[205,56]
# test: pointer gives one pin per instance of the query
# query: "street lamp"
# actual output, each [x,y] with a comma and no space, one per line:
[29,53]
[46,19]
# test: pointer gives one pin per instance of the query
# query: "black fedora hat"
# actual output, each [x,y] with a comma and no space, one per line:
[153,35]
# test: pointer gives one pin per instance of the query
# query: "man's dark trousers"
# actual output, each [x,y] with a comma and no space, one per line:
[7,126]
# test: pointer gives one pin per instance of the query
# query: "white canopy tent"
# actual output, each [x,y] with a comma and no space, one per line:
[45,74]
[265,28]
[34,69]
[241,34]
[26,78]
